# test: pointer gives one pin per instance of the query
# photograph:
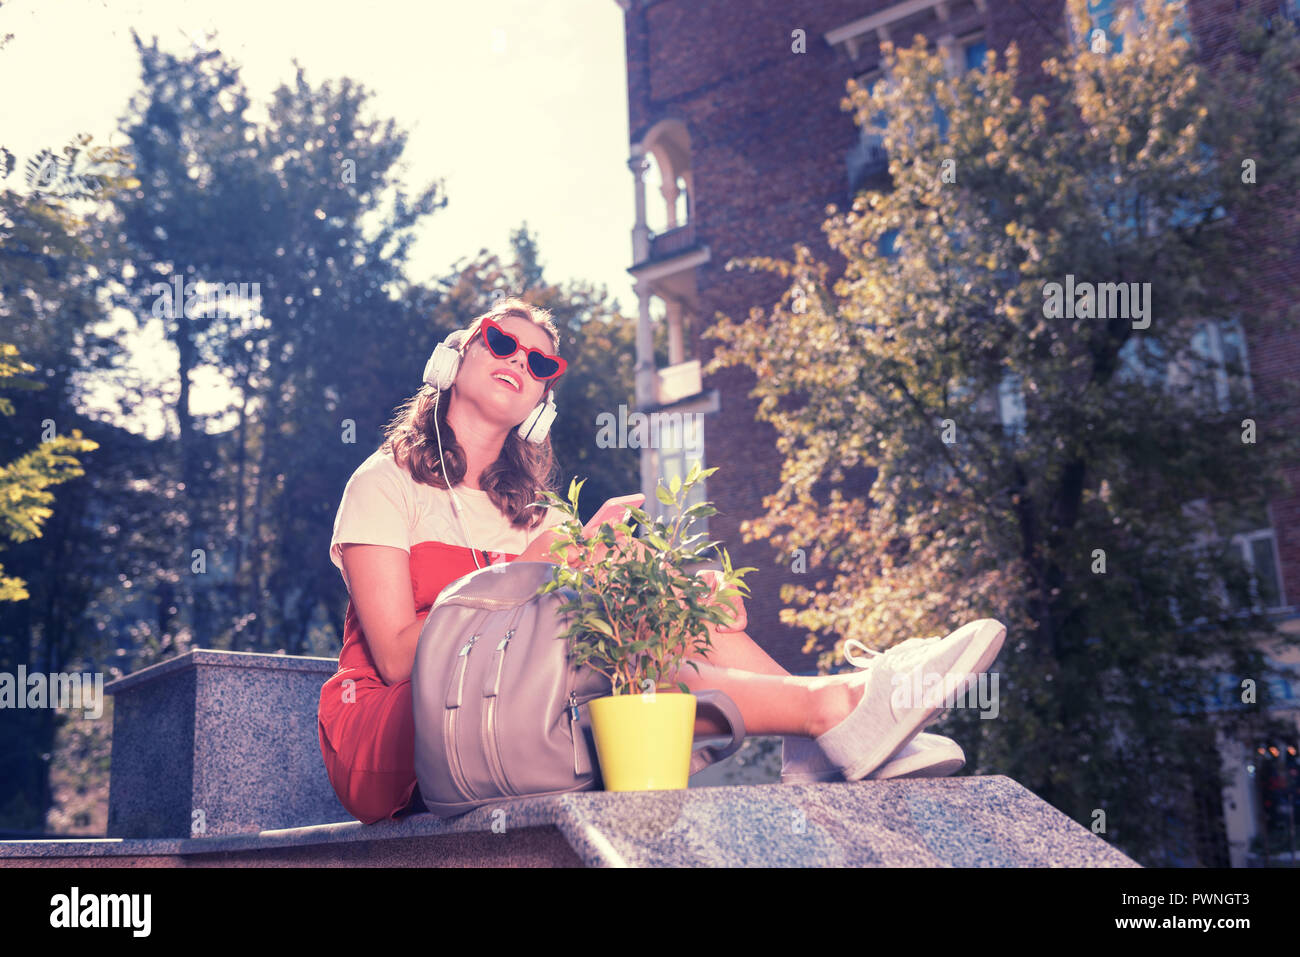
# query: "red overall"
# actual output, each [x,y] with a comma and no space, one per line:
[367,729]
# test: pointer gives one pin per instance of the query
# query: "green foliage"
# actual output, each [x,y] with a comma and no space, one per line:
[54,272]
[24,501]
[926,510]
[637,612]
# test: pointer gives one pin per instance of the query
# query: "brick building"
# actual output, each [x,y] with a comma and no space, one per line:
[747,145]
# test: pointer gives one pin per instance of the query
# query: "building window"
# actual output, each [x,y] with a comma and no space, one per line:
[1130,218]
[868,159]
[940,118]
[1219,368]
[1283,10]
[973,48]
[1258,550]
[1011,405]
[675,462]
[1247,536]
[1219,372]
[1274,774]
[1143,359]
[1103,14]
[1222,347]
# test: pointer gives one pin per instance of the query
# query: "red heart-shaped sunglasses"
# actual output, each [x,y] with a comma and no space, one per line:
[503,345]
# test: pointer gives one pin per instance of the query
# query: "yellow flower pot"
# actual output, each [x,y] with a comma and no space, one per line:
[644,741]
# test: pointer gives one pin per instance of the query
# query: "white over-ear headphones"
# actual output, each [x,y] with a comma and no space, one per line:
[440,372]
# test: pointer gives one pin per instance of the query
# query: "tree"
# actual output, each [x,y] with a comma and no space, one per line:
[24,501]
[294,211]
[51,271]
[1094,519]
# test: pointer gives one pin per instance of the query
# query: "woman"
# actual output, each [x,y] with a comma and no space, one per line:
[398,543]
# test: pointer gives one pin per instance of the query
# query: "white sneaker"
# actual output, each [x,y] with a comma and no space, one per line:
[876,729]
[924,756]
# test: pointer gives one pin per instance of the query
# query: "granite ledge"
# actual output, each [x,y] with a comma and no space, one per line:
[983,821]
[213,657]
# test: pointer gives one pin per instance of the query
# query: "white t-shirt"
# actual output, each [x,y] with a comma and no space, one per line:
[383,505]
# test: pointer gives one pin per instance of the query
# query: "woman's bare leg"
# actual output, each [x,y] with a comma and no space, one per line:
[735,649]
[770,699]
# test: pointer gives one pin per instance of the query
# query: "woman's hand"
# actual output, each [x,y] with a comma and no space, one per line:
[616,511]
[739,619]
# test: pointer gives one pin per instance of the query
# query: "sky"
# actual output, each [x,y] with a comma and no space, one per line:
[551,74]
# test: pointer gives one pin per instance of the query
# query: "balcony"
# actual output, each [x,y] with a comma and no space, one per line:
[677,382]
[672,242]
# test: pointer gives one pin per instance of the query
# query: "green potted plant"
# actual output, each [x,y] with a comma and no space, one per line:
[637,613]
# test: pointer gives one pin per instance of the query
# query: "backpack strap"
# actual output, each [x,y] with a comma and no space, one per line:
[718,702]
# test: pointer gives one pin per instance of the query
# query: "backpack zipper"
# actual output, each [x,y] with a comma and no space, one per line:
[574,730]
[491,739]
[483,602]
[454,688]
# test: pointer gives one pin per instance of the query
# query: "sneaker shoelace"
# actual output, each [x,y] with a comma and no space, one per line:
[902,657]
